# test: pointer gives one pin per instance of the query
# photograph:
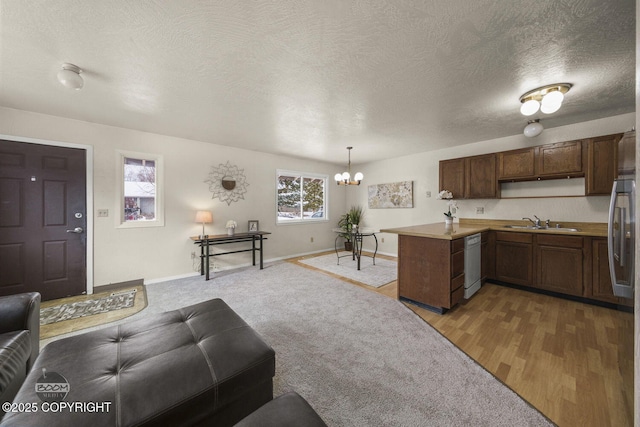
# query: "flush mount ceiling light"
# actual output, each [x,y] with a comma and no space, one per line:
[534,128]
[344,178]
[547,99]
[70,77]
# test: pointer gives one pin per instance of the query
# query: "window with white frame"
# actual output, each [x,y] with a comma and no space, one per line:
[301,197]
[140,198]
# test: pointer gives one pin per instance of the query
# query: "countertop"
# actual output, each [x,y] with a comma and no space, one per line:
[467,227]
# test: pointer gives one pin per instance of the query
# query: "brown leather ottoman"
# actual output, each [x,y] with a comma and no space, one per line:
[288,410]
[200,365]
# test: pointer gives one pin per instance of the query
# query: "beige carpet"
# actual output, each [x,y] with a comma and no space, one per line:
[70,314]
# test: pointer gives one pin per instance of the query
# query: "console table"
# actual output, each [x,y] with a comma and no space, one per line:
[223,239]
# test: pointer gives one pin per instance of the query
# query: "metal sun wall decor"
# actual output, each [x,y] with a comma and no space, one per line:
[393,195]
[227,182]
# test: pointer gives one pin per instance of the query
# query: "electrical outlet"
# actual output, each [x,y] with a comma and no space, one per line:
[193,255]
[312,240]
[103,213]
[479,210]
[428,193]
[382,240]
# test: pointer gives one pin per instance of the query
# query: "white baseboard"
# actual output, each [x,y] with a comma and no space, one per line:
[244,265]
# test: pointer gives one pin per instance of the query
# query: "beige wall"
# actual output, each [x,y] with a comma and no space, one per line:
[162,252]
[422,169]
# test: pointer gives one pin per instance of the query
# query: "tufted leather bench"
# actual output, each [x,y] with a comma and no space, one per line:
[287,410]
[200,365]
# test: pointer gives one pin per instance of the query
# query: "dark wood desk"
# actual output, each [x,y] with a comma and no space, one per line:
[223,239]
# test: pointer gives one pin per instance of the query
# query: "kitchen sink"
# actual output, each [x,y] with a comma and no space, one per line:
[531,227]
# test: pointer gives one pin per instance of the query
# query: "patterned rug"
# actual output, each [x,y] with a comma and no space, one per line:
[383,272]
[74,313]
[115,301]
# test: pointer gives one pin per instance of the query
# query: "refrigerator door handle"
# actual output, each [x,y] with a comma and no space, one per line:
[621,236]
[612,242]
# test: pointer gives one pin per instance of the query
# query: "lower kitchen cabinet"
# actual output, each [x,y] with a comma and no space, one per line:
[514,258]
[559,265]
[568,265]
[431,271]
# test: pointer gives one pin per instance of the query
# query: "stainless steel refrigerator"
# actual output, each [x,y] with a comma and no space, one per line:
[622,219]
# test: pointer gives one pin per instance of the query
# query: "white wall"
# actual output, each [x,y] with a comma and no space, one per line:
[423,170]
[160,252]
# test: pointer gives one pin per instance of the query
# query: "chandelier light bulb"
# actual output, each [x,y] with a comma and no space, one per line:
[529,107]
[338,177]
[359,176]
[346,176]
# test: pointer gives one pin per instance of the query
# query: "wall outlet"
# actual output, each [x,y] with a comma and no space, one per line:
[103,213]
[382,240]
[193,255]
[479,210]
[428,193]
[312,240]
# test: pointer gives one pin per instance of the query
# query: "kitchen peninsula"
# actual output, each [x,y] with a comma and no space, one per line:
[568,262]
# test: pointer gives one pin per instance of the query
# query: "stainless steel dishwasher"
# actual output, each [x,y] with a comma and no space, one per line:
[472,264]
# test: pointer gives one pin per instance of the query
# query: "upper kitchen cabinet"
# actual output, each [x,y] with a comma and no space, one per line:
[452,177]
[602,154]
[517,165]
[470,177]
[560,160]
[480,182]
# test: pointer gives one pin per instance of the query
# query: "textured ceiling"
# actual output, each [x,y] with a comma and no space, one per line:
[310,77]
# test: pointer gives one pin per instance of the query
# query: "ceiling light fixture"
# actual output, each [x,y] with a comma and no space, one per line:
[344,178]
[547,99]
[534,128]
[70,77]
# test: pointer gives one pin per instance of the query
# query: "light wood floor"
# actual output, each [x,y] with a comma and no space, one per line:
[571,361]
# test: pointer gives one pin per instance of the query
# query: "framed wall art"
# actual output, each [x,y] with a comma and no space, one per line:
[393,195]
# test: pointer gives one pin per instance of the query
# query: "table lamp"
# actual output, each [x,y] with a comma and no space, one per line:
[205,217]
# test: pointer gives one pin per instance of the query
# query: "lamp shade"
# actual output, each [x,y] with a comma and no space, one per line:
[204,217]
[529,107]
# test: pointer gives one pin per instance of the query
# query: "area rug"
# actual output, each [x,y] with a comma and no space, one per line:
[74,313]
[383,272]
[358,357]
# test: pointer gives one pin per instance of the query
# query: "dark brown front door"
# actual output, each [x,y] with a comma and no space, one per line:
[42,220]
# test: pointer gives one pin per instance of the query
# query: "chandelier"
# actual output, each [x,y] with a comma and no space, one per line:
[344,178]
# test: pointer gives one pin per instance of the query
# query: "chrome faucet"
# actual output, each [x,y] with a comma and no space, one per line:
[537,222]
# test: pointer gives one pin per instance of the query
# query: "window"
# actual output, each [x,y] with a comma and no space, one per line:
[140,190]
[302,197]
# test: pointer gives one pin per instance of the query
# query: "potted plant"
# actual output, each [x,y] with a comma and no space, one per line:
[446,195]
[347,223]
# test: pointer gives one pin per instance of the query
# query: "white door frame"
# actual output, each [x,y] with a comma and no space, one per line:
[88,149]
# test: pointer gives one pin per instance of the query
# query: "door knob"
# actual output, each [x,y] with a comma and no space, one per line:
[77,230]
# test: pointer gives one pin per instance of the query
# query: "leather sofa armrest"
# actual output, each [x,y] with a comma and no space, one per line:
[22,312]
